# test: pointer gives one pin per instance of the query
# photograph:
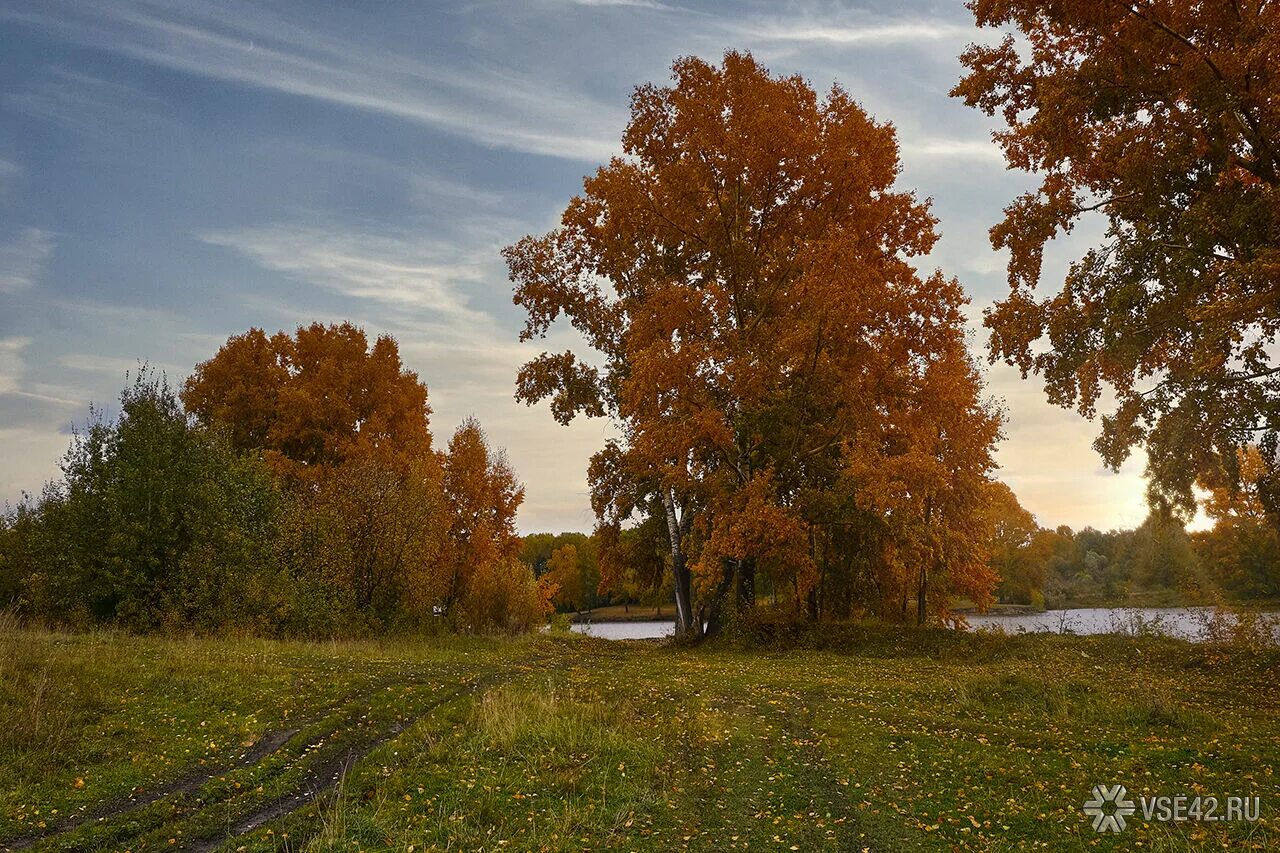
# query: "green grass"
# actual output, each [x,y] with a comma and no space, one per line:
[878,739]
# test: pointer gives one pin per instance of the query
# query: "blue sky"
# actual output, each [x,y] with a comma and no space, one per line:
[173,173]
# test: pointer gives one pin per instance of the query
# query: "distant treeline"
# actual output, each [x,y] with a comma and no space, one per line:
[1160,562]
[583,572]
[291,489]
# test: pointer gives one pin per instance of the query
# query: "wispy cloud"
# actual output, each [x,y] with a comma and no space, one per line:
[400,272]
[23,259]
[9,171]
[119,317]
[242,44]
[952,149]
[891,32]
[113,366]
[25,405]
[643,4]
[85,103]
[11,363]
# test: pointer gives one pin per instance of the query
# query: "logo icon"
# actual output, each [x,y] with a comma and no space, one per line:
[1104,819]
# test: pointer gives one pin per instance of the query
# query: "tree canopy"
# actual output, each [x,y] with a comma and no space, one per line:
[319,396]
[1163,117]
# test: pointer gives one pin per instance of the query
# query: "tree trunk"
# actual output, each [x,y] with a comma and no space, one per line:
[686,627]
[820,556]
[746,595]
[921,593]
[715,615]
[923,588]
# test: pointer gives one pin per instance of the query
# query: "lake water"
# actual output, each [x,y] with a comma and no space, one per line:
[626,630]
[1188,623]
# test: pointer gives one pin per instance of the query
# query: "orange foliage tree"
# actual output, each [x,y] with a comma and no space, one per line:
[1163,118]
[743,275]
[381,525]
[321,396]
[486,586]
[1243,548]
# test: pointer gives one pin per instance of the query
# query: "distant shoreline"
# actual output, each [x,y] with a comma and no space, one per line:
[634,613]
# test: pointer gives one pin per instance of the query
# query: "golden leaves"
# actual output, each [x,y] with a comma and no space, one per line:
[1161,119]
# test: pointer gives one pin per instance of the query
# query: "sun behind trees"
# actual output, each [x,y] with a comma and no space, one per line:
[796,402]
[300,496]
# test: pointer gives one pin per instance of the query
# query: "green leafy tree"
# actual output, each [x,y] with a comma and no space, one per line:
[535,551]
[156,523]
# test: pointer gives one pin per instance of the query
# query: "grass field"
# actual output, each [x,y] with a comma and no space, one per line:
[888,741]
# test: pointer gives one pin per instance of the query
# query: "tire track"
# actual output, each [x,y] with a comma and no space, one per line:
[185,784]
[197,777]
[328,774]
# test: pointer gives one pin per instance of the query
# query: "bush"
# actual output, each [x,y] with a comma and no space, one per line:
[155,525]
[501,597]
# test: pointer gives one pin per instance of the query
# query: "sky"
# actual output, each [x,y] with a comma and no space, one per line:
[174,173]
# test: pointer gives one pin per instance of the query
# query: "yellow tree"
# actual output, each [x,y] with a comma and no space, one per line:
[1243,548]
[743,275]
[565,575]
[1017,556]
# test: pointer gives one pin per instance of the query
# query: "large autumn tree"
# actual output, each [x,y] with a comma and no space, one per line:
[743,275]
[1162,117]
